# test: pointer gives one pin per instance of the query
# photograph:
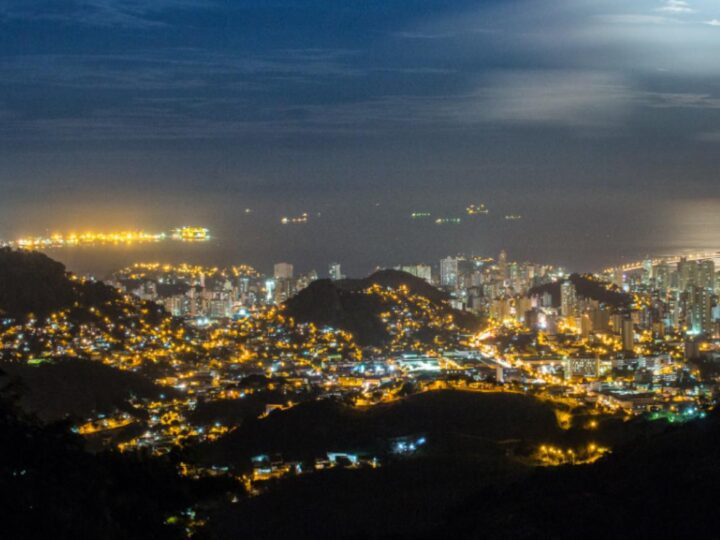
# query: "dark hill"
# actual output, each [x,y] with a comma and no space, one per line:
[325,304]
[313,428]
[589,288]
[394,279]
[31,282]
[344,305]
[235,411]
[77,388]
[661,486]
[52,488]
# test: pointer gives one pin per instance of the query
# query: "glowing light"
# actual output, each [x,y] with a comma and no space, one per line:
[89,238]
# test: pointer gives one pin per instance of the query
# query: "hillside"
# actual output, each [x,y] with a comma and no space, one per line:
[357,306]
[33,283]
[52,488]
[394,279]
[77,388]
[49,313]
[586,287]
[663,486]
[313,428]
[658,486]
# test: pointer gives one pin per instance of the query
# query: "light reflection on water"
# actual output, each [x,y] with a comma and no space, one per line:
[694,226]
[581,236]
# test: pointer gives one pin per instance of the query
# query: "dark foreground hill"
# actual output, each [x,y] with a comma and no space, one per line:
[345,305]
[663,486]
[52,488]
[311,429]
[76,388]
[33,283]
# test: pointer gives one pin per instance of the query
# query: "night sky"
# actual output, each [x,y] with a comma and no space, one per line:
[597,121]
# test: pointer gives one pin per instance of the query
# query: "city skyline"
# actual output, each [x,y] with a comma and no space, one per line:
[359,269]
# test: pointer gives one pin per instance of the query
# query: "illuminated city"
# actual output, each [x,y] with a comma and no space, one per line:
[183,234]
[359,270]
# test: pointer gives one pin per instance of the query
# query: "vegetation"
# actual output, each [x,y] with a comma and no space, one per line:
[357,306]
[78,388]
[663,485]
[52,488]
[449,418]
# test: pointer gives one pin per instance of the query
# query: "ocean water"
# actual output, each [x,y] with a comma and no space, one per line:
[581,237]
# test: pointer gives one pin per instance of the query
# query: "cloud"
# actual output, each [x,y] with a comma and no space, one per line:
[174,69]
[165,94]
[557,99]
[444,74]
[447,34]
[668,100]
[560,98]
[713,22]
[503,100]
[605,35]
[103,13]
[634,19]
[676,6]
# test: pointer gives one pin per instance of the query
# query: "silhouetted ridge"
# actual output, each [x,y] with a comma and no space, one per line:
[661,487]
[77,388]
[31,282]
[310,429]
[344,304]
[586,287]
[52,488]
[394,279]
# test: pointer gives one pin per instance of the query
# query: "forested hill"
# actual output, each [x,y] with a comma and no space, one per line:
[354,306]
[33,283]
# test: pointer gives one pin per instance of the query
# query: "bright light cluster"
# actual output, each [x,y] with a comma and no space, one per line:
[58,240]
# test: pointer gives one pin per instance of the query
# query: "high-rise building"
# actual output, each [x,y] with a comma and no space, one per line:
[335,272]
[283,290]
[283,271]
[628,334]
[449,272]
[706,274]
[647,272]
[546,300]
[568,299]
[661,276]
[502,265]
[700,320]
[422,271]
[687,274]
[269,291]
[243,284]
[304,281]
[618,278]
[220,305]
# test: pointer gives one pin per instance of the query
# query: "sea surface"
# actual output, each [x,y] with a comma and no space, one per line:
[580,238]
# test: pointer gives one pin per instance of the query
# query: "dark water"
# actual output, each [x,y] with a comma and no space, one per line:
[586,235]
